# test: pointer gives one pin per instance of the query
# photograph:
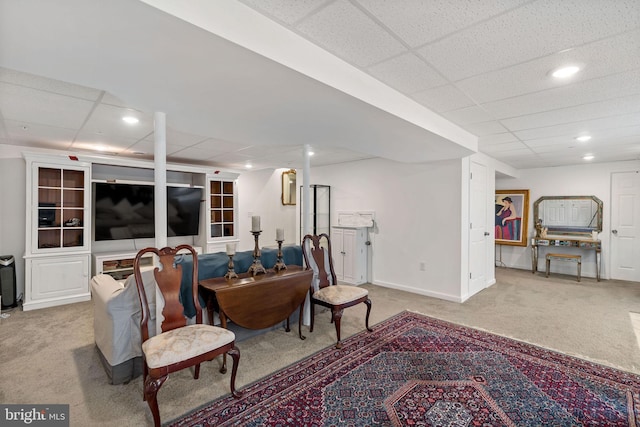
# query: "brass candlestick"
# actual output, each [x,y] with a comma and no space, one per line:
[280,265]
[231,273]
[256,268]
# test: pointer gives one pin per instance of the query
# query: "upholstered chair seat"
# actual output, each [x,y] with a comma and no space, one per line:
[184,343]
[340,294]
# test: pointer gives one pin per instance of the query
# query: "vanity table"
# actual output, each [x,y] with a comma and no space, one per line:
[571,222]
[553,241]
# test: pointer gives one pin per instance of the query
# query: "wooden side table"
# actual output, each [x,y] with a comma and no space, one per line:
[258,302]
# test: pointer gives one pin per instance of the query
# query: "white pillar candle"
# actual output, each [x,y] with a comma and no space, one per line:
[255,223]
[231,248]
[279,234]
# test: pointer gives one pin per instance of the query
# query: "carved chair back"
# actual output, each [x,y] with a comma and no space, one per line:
[316,250]
[168,277]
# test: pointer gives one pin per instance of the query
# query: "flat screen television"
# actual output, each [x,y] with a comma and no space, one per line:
[126,211]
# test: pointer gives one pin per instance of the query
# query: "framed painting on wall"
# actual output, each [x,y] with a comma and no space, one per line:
[512,217]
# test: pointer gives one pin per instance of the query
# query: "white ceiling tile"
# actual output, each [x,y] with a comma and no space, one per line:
[285,10]
[347,32]
[443,98]
[48,85]
[467,115]
[499,138]
[485,128]
[178,138]
[34,132]
[147,147]
[425,21]
[596,110]
[497,148]
[536,29]
[207,149]
[584,92]
[579,127]
[407,73]
[598,59]
[107,122]
[22,104]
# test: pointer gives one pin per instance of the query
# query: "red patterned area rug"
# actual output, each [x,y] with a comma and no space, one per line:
[416,370]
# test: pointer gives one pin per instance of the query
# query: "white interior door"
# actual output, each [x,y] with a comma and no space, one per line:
[625,226]
[478,235]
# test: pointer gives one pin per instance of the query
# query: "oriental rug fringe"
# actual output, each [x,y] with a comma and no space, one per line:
[416,370]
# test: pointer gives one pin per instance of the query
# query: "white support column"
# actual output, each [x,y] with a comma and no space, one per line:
[306,223]
[306,191]
[160,195]
[160,177]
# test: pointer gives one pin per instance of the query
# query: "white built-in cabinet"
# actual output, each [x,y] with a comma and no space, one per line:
[59,242]
[349,250]
[58,232]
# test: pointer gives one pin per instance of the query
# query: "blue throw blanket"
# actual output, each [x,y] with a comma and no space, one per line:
[216,265]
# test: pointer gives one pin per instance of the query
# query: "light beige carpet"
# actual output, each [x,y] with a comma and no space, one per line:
[48,355]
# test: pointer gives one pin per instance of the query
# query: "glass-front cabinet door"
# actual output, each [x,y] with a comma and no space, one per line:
[222,211]
[61,219]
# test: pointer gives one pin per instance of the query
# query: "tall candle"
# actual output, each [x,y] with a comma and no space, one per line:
[231,248]
[255,223]
[279,234]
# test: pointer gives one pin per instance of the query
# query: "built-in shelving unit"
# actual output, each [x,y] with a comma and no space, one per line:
[57,247]
[59,234]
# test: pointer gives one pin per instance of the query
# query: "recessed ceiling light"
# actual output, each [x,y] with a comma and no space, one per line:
[311,153]
[130,120]
[588,157]
[583,138]
[564,72]
[248,166]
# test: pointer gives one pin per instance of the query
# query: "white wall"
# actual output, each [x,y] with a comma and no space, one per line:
[12,213]
[417,210]
[588,179]
[259,193]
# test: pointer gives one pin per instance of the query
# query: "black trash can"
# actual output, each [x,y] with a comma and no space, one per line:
[8,281]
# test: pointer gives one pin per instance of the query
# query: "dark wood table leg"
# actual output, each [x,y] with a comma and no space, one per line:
[302,337]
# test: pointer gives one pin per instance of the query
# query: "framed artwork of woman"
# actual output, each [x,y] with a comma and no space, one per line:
[512,217]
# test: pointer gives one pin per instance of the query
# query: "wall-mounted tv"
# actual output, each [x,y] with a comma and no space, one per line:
[126,211]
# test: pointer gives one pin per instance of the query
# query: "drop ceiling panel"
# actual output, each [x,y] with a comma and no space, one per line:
[426,21]
[346,31]
[407,73]
[598,59]
[48,85]
[508,146]
[24,104]
[32,132]
[594,90]
[443,98]
[499,138]
[284,10]
[579,127]
[534,30]
[485,128]
[468,115]
[107,121]
[574,114]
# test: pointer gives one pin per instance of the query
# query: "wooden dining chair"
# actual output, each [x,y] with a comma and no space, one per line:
[325,290]
[179,345]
